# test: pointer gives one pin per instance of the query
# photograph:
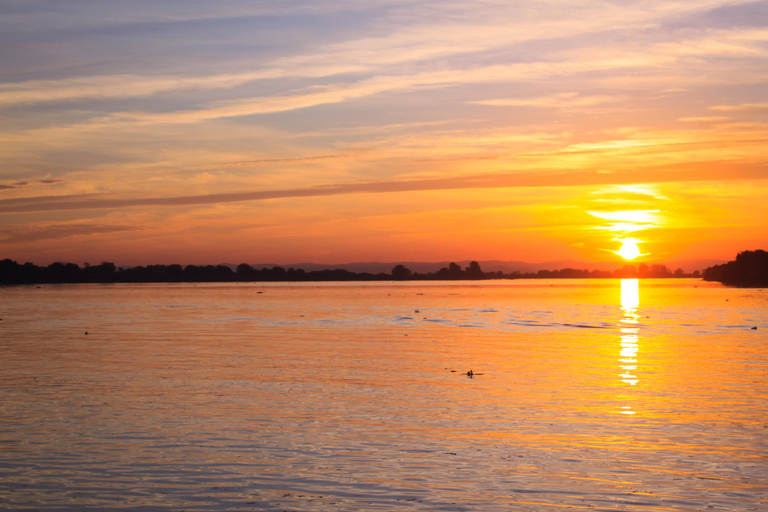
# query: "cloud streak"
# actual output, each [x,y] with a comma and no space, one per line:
[561,100]
[411,43]
[59,231]
[276,161]
[342,92]
[509,180]
[747,108]
[115,86]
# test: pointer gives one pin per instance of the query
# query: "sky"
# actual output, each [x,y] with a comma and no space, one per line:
[335,131]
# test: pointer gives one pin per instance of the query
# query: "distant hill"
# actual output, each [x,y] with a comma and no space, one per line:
[423,267]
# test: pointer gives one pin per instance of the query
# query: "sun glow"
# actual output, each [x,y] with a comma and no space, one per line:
[650,217]
[629,250]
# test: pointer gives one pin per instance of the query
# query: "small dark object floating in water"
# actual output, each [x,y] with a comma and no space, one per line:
[754,328]
[86,333]
[470,374]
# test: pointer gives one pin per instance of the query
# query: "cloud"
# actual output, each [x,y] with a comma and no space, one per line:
[138,14]
[744,108]
[647,191]
[561,100]
[58,231]
[707,172]
[21,184]
[116,86]
[408,44]
[28,201]
[706,120]
[719,43]
[342,92]
[272,161]
[266,105]
[450,35]
[630,216]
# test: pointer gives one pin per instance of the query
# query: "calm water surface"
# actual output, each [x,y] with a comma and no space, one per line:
[591,394]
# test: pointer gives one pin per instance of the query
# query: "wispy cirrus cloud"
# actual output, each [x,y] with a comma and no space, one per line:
[119,86]
[745,108]
[346,91]
[410,42]
[708,120]
[59,231]
[561,100]
[508,180]
[342,92]
[276,161]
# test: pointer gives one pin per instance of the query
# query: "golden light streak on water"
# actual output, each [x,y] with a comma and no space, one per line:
[629,338]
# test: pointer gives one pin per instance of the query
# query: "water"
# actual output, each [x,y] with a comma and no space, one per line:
[588,394]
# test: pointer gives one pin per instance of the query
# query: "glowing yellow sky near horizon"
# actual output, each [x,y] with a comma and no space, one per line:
[387,132]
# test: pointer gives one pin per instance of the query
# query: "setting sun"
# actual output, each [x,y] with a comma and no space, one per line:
[629,250]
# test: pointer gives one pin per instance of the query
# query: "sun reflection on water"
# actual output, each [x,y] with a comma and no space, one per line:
[629,326]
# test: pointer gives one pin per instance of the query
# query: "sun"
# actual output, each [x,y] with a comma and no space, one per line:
[629,250]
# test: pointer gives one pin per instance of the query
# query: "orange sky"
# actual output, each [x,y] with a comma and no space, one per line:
[340,131]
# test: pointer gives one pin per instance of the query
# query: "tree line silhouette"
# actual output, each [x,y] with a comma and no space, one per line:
[12,272]
[750,268]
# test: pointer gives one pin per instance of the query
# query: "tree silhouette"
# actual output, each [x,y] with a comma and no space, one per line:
[474,271]
[400,272]
[749,269]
